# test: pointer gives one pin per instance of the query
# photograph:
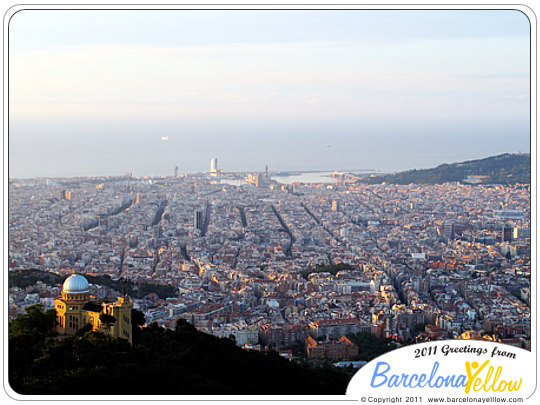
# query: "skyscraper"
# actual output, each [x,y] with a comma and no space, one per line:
[448,230]
[507,233]
[198,219]
[213,166]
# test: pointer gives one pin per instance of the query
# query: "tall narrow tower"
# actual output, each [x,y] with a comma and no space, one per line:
[213,165]
[198,219]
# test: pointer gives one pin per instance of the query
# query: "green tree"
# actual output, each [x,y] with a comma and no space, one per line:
[370,346]
[84,330]
[183,361]
[34,321]
[137,322]
[299,349]
[137,318]
[107,321]
[27,335]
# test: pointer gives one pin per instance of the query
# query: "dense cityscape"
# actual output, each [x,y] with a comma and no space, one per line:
[269,201]
[274,265]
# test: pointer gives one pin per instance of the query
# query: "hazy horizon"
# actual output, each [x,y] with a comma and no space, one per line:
[97,93]
[274,171]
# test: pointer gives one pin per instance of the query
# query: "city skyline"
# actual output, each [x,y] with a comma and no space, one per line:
[144,91]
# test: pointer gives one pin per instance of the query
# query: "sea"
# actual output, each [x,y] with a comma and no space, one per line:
[295,177]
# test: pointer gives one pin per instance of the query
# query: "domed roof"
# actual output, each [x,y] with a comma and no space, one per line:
[75,284]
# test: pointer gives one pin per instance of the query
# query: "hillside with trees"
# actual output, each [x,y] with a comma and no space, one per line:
[504,169]
[330,268]
[160,362]
[24,278]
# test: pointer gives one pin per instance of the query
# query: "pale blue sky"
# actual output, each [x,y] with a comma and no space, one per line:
[93,92]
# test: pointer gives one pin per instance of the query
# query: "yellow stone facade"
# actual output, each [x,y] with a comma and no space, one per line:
[74,309]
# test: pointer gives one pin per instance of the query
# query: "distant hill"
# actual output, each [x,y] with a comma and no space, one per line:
[502,169]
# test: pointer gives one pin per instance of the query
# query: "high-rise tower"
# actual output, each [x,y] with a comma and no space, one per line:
[213,166]
[198,219]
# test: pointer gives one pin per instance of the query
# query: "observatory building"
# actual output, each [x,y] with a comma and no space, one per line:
[74,309]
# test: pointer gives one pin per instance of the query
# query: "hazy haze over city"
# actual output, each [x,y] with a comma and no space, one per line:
[108,92]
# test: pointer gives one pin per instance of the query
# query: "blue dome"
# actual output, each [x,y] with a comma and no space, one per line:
[75,284]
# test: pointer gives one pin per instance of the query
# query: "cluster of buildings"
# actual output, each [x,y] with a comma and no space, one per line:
[272,264]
